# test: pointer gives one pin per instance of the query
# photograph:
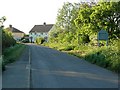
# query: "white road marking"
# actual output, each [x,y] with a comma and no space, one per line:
[29,70]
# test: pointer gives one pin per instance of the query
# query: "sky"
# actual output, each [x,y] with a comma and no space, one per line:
[24,14]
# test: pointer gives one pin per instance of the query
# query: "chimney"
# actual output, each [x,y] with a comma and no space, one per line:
[44,23]
[11,28]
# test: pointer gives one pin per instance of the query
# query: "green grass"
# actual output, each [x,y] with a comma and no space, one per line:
[13,53]
[107,57]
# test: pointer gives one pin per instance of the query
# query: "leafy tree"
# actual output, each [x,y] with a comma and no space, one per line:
[83,23]
[78,22]
[104,15]
[64,30]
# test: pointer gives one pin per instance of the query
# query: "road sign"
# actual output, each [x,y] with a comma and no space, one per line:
[103,35]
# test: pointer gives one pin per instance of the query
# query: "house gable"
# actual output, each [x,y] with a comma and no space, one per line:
[40,31]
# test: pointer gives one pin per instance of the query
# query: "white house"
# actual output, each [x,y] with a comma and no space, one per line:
[40,31]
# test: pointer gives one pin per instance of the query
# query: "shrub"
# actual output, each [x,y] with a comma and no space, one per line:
[11,54]
[39,40]
[106,57]
[7,39]
[84,38]
[67,48]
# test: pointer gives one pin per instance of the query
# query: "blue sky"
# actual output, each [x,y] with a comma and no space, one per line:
[24,14]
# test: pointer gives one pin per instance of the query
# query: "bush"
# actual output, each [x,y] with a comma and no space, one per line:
[39,40]
[12,53]
[66,48]
[84,38]
[7,39]
[106,57]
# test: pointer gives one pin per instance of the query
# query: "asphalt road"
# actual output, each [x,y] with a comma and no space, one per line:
[42,67]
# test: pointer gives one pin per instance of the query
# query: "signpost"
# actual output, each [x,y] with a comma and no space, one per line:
[102,35]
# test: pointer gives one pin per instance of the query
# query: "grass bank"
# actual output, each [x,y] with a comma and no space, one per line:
[106,57]
[13,53]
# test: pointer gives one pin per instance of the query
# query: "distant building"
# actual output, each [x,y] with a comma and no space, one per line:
[17,34]
[40,31]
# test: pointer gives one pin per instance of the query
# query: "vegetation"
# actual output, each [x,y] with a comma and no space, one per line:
[12,53]
[5,36]
[10,50]
[7,39]
[39,40]
[107,57]
[76,32]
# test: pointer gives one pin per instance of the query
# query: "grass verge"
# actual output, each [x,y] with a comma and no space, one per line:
[13,53]
[106,57]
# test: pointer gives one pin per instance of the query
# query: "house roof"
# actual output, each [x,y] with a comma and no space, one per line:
[41,28]
[14,30]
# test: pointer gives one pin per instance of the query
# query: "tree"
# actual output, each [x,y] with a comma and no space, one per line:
[64,30]
[104,15]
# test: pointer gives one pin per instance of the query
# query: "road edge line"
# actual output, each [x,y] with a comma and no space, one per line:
[29,70]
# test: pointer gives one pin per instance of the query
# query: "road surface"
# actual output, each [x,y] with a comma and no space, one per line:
[42,67]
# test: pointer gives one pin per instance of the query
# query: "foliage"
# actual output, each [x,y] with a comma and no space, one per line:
[84,38]
[39,40]
[12,53]
[6,35]
[104,15]
[66,48]
[7,39]
[107,57]
[85,19]
[64,30]
[76,31]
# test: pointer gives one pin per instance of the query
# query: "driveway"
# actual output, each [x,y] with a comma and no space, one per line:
[42,67]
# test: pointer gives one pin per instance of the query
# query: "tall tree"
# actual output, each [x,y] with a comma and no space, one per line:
[104,15]
[64,30]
